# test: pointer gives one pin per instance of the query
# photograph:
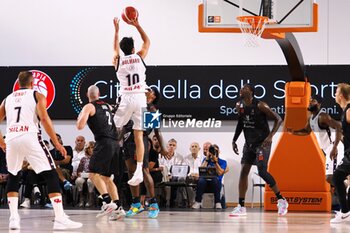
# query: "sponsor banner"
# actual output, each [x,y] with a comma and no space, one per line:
[191,95]
[300,200]
[317,200]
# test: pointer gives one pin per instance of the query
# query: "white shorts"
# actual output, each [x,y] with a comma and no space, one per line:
[131,107]
[30,147]
[330,165]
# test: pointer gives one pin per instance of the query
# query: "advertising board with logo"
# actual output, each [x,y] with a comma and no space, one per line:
[190,95]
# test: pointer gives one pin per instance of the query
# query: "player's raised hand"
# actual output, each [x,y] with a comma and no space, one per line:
[135,22]
[116,24]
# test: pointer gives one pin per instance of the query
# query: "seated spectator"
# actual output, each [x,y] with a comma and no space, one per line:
[63,164]
[154,168]
[194,161]
[78,154]
[83,176]
[171,158]
[31,184]
[32,181]
[212,185]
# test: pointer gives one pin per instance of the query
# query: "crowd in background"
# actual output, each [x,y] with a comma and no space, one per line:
[79,191]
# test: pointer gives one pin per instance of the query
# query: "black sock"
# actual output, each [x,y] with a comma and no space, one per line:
[106,198]
[117,202]
[136,200]
[279,196]
[153,200]
[241,201]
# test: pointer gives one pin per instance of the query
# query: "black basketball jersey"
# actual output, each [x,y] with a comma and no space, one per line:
[346,131]
[102,124]
[254,122]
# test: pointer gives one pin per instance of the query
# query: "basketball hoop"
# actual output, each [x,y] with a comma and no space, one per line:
[252,28]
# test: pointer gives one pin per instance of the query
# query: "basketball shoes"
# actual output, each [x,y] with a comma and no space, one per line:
[282,206]
[14,223]
[135,208]
[107,209]
[341,217]
[65,223]
[196,205]
[117,214]
[153,210]
[238,211]
[26,203]
[67,185]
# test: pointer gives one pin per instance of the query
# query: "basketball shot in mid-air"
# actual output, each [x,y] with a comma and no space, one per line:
[129,14]
[131,73]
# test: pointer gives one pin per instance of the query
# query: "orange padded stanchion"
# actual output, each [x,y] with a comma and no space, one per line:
[297,163]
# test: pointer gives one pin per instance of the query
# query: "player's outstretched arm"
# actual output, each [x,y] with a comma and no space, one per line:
[146,41]
[302,132]
[116,43]
[238,131]
[47,123]
[88,110]
[276,119]
[325,120]
[159,137]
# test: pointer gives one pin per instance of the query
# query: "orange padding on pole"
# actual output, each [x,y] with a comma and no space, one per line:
[297,163]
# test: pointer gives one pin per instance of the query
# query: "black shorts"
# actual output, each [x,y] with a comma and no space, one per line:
[344,165]
[104,160]
[129,150]
[252,154]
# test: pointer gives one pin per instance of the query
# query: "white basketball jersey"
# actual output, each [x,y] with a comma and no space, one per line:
[20,107]
[131,73]
[322,135]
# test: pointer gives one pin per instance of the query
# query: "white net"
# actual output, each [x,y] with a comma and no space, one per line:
[252,28]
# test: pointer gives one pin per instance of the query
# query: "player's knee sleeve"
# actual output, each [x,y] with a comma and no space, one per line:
[12,183]
[52,181]
[265,175]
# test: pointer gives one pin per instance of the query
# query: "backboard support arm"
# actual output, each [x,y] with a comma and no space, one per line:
[293,56]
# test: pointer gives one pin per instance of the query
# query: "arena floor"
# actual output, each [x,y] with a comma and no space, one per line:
[39,220]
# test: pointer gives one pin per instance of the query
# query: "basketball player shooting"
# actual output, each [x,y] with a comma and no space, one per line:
[130,70]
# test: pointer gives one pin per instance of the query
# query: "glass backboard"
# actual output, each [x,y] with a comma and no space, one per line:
[284,15]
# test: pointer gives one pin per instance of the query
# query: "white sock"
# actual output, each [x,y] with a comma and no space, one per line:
[57,206]
[13,205]
[139,167]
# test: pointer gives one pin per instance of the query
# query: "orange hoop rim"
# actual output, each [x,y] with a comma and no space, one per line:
[254,21]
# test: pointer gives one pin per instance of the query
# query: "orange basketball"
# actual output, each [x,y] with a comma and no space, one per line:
[129,14]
